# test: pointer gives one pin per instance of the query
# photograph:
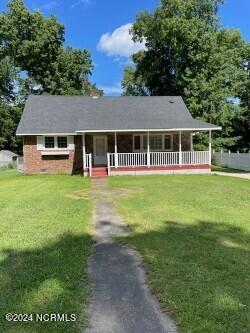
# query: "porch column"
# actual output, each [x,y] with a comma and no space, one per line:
[180,149]
[84,152]
[148,151]
[210,147]
[116,156]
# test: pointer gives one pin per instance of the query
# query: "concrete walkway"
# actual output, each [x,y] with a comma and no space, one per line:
[237,175]
[121,302]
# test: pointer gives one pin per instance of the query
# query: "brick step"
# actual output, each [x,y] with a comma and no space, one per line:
[99,172]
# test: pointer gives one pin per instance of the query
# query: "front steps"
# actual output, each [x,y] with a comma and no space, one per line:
[99,172]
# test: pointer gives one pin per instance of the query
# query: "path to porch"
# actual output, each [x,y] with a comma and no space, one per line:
[121,302]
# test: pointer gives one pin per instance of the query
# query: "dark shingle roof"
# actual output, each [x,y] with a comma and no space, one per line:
[69,114]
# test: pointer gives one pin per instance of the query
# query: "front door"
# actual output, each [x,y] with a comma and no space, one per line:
[100,150]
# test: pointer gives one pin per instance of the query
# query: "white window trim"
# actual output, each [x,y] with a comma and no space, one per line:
[153,150]
[55,141]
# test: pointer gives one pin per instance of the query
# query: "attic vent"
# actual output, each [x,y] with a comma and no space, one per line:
[171,101]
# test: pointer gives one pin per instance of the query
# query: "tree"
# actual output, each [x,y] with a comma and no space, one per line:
[32,41]
[71,72]
[9,118]
[8,74]
[188,53]
[132,83]
[242,125]
[34,60]
[35,44]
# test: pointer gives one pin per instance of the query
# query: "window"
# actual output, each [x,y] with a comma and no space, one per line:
[155,142]
[54,142]
[137,142]
[49,142]
[168,142]
[62,142]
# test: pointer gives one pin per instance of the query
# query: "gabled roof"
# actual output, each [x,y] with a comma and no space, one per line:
[8,153]
[72,114]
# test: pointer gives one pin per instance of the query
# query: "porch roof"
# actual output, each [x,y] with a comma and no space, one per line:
[75,114]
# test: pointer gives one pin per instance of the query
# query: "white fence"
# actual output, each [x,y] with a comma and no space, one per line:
[19,164]
[159,159]
[240,161]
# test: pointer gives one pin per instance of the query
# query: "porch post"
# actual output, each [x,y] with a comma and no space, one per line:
[210,147]
[180,149]
[116,156]
[84,152]
[148,151]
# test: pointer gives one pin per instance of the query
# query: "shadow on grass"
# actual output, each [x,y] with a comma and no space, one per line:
[227,170]
[52,279]
[200,273]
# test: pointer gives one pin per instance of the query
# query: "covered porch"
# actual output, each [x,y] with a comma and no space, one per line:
[137,153]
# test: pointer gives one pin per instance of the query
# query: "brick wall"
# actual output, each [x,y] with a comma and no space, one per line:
[34,162]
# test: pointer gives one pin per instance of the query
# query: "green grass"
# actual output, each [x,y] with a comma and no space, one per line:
[227,170]
[194,235]
[44,245]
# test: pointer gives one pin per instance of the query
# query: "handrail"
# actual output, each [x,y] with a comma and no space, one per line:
[158,159]
[88,162]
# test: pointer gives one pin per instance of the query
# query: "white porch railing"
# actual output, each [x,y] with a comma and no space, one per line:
[159,159]
[196,158]
[88,163]
[164,158]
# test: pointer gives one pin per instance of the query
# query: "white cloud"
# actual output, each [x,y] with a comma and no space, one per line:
[119,42]
[112,90]
[81,2]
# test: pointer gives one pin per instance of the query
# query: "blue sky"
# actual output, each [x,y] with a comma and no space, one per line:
[102,27]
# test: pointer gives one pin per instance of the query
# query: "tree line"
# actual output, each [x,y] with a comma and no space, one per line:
[189,53]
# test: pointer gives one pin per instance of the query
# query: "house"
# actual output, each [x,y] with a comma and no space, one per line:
[111,135]
[7,158]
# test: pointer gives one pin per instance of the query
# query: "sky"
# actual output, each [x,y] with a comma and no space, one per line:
[102,26]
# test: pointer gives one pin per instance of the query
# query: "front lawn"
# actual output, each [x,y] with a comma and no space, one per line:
[194,235]
[44,244]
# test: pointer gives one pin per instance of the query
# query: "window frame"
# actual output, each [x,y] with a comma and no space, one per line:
[55,142]
[64,137]
[142,149]
[44,142]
